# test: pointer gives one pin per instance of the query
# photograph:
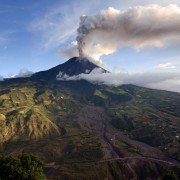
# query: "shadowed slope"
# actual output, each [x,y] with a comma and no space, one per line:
[73,66]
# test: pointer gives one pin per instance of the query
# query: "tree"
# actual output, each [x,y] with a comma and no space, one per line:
[24,166]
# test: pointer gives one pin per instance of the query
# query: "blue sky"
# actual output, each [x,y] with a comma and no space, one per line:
[32,32]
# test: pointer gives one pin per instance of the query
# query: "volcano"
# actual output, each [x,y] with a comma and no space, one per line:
[95,131]
[73,66]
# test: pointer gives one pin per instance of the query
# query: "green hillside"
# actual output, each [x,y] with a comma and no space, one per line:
[81,129]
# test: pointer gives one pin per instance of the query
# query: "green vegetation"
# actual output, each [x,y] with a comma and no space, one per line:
[100,94]
[63,123]
[24,166]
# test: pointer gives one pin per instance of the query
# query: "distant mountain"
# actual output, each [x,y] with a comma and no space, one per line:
[73,66]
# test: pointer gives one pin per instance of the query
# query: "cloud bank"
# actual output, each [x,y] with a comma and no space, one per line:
[167,65]
[136,27]
[22,73]
[156,80]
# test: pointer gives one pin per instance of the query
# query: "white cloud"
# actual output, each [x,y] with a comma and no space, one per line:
[167,65]
[70,51]
[22,73]
[156,80]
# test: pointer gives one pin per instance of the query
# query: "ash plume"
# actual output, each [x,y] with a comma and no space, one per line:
[82,33]
[136,27]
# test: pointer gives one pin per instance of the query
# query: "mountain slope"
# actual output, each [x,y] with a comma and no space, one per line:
[76,123]
[90,131]
[73,66]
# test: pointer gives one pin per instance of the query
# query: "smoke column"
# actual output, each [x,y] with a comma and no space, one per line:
[82,32]
[135,27]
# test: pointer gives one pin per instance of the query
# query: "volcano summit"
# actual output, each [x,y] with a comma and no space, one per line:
[73,66]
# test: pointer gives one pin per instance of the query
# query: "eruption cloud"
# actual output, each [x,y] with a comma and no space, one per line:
[136,27]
